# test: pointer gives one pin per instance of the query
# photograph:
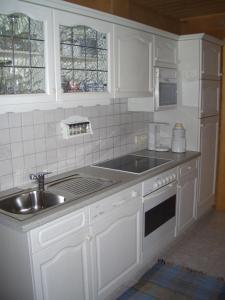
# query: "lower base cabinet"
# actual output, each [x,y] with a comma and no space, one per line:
[72,260]
[116,249]
[62,270]
[187,195]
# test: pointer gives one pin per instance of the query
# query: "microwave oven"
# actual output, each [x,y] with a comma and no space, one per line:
[165,88]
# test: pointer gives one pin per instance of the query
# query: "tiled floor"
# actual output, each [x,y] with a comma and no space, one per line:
[202,248]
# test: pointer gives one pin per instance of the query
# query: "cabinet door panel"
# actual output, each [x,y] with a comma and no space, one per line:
[210,60]
[61,271]
[165,52]
[208,148]
[133,62]
[186,200]
[210,98]
[116,250]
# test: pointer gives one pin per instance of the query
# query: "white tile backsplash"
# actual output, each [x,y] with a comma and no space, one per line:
[32,141]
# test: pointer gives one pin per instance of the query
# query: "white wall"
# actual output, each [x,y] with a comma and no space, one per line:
[32,141]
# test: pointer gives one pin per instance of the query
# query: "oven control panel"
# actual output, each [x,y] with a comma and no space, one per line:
[159,181]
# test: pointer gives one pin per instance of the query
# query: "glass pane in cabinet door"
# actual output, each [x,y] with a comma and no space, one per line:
[91,58]
[6,51]
[91,37]
[91,82]
[102,60]
[102,40]
[37,54]
[102,81]
[79,57]
[6,81]
[22,81]
[22,62]
[65,34]
[21,27]
[5,26]
[36,30]
[78,36]
[88,57]
[79,81]
[37,82]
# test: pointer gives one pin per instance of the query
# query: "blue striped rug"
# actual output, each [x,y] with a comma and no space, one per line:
[166,281]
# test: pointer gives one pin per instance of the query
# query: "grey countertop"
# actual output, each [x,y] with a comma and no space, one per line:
[124,180]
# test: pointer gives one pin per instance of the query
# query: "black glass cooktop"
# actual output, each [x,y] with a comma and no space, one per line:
[132,163]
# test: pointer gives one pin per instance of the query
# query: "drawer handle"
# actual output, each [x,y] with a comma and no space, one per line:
[189,168]
[134,194]
[119,203]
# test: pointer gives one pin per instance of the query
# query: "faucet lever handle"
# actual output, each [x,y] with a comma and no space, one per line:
[39,175]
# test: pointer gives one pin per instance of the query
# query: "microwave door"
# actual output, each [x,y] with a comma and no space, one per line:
[165,90]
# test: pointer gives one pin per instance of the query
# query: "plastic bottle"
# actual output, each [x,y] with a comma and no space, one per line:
[178,144]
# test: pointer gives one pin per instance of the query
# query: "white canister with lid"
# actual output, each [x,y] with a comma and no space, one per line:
[178,144]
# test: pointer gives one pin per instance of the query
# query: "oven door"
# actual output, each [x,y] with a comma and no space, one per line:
[159,220]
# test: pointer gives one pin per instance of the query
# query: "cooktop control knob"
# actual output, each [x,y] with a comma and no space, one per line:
[155,185]
[164,181]
[159,182]
[167,179]
[174,176]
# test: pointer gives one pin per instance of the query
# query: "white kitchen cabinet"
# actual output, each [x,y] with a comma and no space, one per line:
[116,242]
[27,63]
[208,163]
[61,259]
[187,195]
[83,59]
[210,98]
[211,60]
[133,62]
[199,69]
[199,57]
[165,52]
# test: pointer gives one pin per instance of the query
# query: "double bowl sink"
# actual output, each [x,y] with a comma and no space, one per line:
[34,201]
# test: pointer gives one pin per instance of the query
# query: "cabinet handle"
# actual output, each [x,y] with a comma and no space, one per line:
[134,194]
[89,237]
[116,204]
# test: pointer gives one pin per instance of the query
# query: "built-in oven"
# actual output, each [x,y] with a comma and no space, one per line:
[159,219]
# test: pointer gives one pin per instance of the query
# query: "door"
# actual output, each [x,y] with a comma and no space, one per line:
[133,62]
[210,96]
[187,192]
[62,270]
[211,55]
[208,148]
[115,249]
[165,54]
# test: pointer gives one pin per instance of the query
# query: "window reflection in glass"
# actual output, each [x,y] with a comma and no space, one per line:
[83,55]
[22,67]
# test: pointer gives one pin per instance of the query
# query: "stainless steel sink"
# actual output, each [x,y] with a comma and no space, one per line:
[31,202]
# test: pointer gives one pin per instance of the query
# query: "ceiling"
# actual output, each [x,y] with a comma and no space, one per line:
[181,9]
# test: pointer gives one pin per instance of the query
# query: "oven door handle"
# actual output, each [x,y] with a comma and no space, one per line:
[159,191]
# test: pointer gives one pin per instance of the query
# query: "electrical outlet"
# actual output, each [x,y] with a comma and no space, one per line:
[140,139]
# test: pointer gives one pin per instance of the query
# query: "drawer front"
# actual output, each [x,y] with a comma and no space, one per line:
[111,203]
[188,168]
[51,232]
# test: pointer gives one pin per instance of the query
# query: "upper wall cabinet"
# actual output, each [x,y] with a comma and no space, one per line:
[165,52]
[199,58]
[25,56]
[83,58]
[210,68]
[133,62]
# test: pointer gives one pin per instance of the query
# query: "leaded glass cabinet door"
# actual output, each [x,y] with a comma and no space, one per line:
[83,59]
[26,59]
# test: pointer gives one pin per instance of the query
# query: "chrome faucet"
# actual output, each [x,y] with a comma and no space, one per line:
[40,178]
